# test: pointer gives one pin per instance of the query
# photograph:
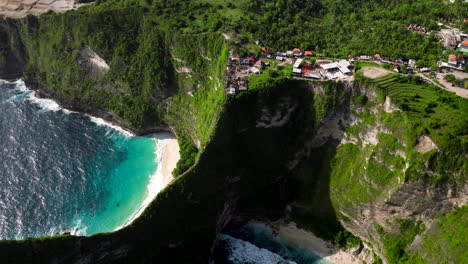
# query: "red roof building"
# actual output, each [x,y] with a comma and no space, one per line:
[296,50]
[452,57]
[309,53]
[236,59]
[252,58]
[377,56]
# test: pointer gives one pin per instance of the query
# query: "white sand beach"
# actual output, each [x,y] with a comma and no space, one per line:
[167,155]
[303,239]
[170,157]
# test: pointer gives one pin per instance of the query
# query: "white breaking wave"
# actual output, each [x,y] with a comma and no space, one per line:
[101,122]
[245,252]
[51,105]
[79,229]
[45,104]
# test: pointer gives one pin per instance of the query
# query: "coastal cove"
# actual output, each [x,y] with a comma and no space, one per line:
[71,172]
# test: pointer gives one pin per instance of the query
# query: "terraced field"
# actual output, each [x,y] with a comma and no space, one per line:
[432,111]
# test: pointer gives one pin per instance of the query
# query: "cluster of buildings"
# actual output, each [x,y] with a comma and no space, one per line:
[417,28]
[302,68]
[238,72]
[452,38]
[455,62]
[322,69]
[295,53]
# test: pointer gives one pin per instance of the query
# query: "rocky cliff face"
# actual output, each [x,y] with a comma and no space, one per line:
[325,155]
[12,53]
[382,186]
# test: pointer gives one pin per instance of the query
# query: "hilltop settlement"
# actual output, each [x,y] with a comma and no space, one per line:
[310,66]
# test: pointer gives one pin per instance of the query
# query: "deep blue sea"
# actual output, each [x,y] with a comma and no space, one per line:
[62,171]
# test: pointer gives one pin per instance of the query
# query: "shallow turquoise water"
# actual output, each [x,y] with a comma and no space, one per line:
[65,172]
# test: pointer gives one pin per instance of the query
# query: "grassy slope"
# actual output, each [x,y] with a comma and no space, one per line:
[171,215]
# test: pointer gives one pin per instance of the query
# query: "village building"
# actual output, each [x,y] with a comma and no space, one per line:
[255,70]
[297,52]
[308,53]
[451,37]
[417,28]
[245,61]
[231,91]
[464,47]
[377,57]
[261,63]
[297,72]
[336,70]
[298,63]
[412,63]
[452,60]
[280,58]
[462,59]
[241,85]
[364,58]
[387,60]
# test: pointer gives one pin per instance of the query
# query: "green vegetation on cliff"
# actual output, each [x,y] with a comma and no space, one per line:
[328,155]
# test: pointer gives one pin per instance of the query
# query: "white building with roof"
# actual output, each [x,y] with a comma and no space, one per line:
[338,69]
[298,63]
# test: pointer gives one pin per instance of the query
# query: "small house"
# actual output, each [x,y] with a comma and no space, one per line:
[261,63]
[255,71]
[231,91]
[296,72]
[245,61]
[279,58]
[464,47]
[242,85]
[452,60]
[387,60]
[297,52]
[377,57]
[364,58]
[309,53]
[298,63]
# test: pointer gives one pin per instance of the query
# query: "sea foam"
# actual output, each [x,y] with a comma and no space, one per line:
[101,122]
[156,183]
[245,252]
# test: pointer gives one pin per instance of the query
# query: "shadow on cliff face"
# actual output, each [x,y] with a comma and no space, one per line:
[249,170]
[12,54]
[284,167]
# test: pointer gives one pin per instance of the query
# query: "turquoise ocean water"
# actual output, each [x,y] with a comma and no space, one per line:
[66,172]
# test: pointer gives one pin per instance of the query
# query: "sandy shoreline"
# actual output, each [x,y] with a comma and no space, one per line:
[167,156]
[291,234]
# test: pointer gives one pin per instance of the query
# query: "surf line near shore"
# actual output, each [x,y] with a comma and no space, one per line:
[166,154]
